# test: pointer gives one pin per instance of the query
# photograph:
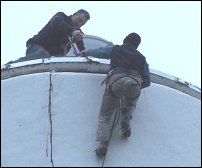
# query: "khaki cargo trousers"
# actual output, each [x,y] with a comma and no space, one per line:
[120,87]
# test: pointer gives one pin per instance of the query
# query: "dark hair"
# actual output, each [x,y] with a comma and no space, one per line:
[86,14]
[133,38]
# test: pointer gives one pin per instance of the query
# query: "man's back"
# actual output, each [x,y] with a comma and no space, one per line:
[54,34]
[126,56]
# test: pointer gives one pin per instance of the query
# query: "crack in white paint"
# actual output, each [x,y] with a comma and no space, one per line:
[50,119]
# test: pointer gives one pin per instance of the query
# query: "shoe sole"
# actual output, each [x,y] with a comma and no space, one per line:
[126,129]
[101,152]
[126,133]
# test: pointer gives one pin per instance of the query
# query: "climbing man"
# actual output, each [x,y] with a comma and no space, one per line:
[129,74]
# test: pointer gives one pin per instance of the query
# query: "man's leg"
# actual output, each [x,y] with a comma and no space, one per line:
[129,104]
[36,52]
[33,52]
[111,100]
[109,105]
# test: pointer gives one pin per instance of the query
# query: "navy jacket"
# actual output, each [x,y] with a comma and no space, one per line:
[124,56]
[55,34]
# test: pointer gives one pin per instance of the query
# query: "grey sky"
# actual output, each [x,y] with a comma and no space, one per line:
[170,31]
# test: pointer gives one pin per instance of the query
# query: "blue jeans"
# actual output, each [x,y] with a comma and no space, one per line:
[33,52]
[36,52]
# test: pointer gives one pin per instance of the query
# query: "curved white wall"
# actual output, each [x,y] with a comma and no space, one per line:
[51,118]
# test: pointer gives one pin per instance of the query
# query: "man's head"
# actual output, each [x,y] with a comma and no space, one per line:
[80,17]
[133,38]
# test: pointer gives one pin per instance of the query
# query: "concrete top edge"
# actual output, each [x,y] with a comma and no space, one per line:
[91,65]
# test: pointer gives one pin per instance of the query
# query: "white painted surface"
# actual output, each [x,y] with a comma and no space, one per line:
[166,128]
[24,121]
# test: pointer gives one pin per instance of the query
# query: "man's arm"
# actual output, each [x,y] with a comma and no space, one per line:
[146,76]
[80,45]
[59,24]
[102,52]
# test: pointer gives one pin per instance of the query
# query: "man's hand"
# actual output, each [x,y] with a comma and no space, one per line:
[77,35]
[83,53]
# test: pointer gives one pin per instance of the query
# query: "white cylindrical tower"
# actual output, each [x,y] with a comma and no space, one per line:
[50,111]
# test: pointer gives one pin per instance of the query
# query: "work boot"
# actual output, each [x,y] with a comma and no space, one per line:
[126,130]
[102,149]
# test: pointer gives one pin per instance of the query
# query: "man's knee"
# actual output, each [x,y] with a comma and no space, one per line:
[36,51]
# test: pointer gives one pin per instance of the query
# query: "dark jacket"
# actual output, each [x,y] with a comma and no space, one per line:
[124,58]
[55,34]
